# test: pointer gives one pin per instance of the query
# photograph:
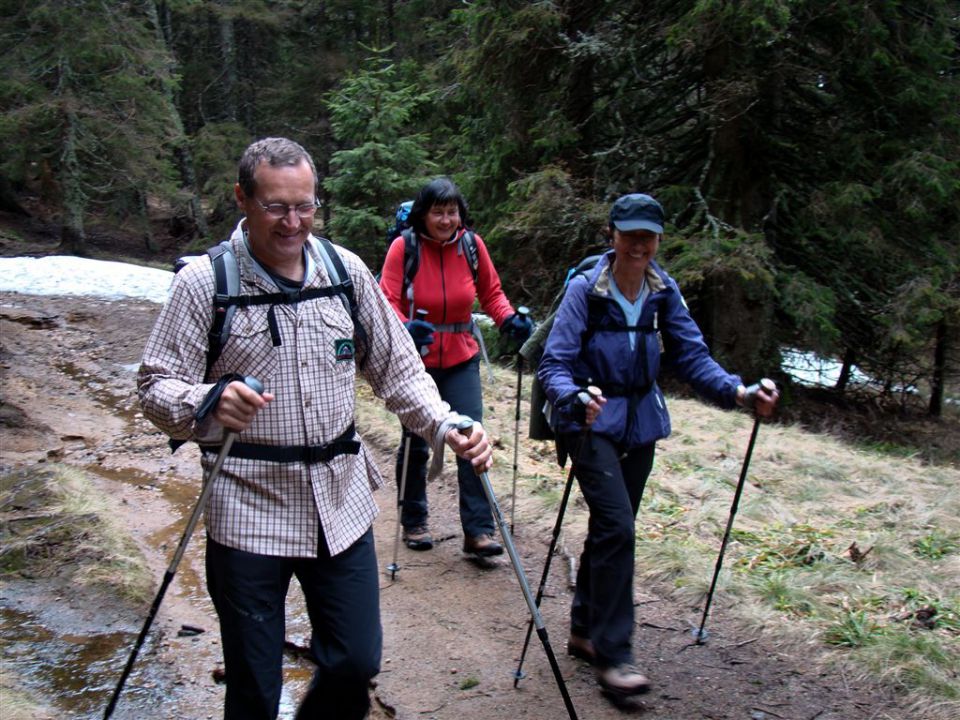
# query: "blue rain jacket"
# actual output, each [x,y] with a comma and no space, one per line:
[588,345]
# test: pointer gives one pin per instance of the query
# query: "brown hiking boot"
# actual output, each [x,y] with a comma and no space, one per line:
[623,680]
[581,647]
[418,538]
[481,546]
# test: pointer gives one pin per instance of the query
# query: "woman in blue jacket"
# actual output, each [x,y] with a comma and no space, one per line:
[615,325]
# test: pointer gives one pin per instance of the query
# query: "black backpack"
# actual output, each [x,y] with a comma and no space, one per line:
[532,351]
[411,257]
[227,299]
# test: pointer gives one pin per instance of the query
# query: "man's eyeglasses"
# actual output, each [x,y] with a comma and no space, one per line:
[278,211]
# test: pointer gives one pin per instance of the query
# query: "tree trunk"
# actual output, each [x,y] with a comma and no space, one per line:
[389,13]
[72,236]
[938,380]
[181,148]
[846,370]
[580,98]
[735,318]
[163,22]
[228,55]
[148,239]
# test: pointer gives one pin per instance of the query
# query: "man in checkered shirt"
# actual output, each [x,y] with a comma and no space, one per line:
[294,497]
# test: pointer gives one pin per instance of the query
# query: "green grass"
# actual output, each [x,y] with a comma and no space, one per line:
[469,682]
[831,544]
[936,544]
[68,531]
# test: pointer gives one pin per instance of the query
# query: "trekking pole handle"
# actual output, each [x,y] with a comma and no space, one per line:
[524,312]
[591,392]
[750,392]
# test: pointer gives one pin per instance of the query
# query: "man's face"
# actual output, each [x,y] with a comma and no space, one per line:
[635,249]
[278,242]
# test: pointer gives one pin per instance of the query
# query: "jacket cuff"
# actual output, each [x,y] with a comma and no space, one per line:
[209,402]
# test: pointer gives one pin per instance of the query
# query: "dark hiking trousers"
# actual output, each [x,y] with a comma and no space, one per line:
[460,387]
[612,483]
[342,595]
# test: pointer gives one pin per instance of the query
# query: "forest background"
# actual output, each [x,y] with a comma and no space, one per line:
[806,151]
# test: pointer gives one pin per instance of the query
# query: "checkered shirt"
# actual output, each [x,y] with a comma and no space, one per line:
[275,508]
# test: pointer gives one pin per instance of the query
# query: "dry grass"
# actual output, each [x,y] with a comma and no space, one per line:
[792,567]
[58,523]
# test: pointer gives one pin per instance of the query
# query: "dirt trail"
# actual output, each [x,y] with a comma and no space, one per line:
[453,630]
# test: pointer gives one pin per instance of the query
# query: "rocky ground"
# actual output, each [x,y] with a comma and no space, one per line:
[453,630]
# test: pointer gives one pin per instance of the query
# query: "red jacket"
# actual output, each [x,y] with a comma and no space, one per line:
[444,287]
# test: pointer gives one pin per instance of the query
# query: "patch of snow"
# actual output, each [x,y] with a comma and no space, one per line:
[68,275]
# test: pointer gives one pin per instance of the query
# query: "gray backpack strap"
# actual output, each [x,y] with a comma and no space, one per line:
[226,276]
[478,336]
[340,279]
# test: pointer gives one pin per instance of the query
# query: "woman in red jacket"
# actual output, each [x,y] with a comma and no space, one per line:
[445,288]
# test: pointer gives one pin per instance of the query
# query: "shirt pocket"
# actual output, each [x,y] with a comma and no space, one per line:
[249,349]
[326,329]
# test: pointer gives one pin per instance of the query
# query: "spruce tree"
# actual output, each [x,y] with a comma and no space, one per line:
[383,160]
[83,84]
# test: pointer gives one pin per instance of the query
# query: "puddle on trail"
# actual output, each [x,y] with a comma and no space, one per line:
[182,495]
[123,406]
[190,581]
[76,674]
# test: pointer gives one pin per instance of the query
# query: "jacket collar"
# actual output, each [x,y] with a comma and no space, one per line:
[249,265]
[604,277]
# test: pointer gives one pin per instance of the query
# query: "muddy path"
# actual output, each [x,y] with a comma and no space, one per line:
[453,630]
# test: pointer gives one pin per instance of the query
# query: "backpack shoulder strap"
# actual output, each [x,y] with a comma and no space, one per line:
[411,262]
[342,281]
[226,276]
[468,241]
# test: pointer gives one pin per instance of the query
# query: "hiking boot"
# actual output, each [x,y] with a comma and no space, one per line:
[623,680]
[418,537]
[581,647]
[481,546]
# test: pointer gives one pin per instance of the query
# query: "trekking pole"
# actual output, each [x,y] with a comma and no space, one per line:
[591,392]
[394,566]
[464,426]
[522,311]
[701,634]
[257,387]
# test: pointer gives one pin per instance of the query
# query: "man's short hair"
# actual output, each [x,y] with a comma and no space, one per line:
[277,152]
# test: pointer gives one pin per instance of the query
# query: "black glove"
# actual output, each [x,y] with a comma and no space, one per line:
[421,331]
[749,399]
[574,407]
[517,327]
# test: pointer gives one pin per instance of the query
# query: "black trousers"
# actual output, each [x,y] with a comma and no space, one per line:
[612,481]
[460,387]
[343,602]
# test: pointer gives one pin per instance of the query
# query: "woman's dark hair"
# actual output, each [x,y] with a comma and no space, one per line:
[439,191]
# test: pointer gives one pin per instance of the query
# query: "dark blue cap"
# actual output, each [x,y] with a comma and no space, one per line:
[637,212]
